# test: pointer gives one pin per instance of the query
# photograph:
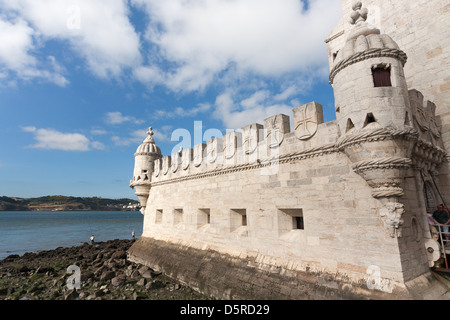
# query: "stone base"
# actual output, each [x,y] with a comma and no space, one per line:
[226,277]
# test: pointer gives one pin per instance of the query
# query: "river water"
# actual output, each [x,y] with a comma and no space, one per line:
[32,231]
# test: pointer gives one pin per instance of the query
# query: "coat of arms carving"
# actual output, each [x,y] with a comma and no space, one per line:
[186,158]
[157,167]
[307,119]
[165,165]
[198,154]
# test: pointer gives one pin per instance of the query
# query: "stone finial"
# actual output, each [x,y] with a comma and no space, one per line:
[150,135]
[359,13]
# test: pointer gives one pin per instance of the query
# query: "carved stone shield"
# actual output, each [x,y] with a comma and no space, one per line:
[212,150]
[175,161]
[157,167]
[230,144]
[251,137]
[198,154]
[165,165]
[186,159]
[307,119]
[276,127]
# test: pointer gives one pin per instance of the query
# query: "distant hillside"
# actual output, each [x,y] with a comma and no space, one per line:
[63,203]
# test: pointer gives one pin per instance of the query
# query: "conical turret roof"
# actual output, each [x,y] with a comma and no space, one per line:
[148,147]
[364,41]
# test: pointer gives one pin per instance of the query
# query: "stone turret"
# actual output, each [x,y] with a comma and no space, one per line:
[368,79]
[373,112]
[145,157]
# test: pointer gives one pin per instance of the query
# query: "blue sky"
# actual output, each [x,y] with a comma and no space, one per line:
[82,80]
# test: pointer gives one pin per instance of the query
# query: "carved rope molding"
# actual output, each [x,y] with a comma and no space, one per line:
[382,163]
[368,54]
[385,192]
[364,135]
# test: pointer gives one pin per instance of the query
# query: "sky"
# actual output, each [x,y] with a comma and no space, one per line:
[81,81]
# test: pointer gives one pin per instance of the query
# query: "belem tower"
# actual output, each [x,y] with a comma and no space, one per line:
[334,210]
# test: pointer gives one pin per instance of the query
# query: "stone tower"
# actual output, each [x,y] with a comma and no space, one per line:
[145,157]
[373,111]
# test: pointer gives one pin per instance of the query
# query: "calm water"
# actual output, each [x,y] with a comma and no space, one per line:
[22,232]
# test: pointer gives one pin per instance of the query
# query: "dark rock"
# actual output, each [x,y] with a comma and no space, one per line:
[119,255]
[118,281]
[147,274]
[100,270]
[87,275]
[155,284]
[24,268]
[99,293]
[142,282]
[11,258]
[143,269]
[107,275]
[135,274]
[71,295]
[41,270]
[43,276]
[137,296]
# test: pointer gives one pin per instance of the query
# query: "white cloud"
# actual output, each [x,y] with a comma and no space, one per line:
[136,137]
[98,31]
[201,40]
[51,139]
[254,109]
[16,45]
[188,45]
[119,118]
[98,132]
[183,112]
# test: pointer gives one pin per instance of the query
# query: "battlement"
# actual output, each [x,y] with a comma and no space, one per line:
[254,145]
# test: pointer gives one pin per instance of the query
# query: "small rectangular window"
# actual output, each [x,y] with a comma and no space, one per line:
[382,77]
[238,218]
[290,219]
[244,219]
[203,217]
[298,223]
[177,216]
[158,217]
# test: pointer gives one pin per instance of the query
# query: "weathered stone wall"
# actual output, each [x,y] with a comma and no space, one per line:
[224,276]
[343,232]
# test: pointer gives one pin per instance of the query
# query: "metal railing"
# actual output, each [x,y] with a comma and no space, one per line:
[444,244]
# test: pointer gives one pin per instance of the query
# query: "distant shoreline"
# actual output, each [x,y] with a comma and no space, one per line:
[64,203]
[84,210]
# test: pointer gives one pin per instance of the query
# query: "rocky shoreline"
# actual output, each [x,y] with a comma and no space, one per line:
[106,274]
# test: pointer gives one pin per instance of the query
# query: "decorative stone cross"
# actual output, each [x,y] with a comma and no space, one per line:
[359,13]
